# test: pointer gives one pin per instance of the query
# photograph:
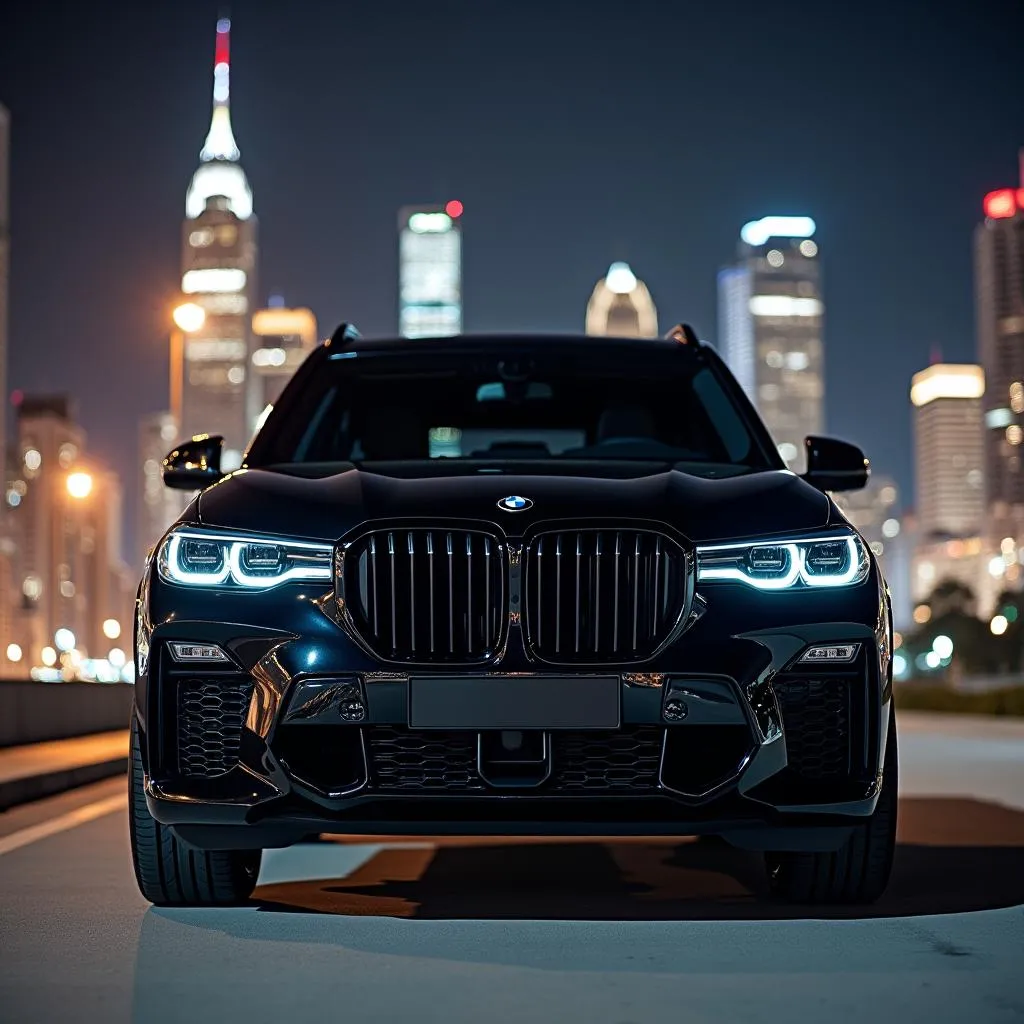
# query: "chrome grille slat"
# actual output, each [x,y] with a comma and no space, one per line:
[635,580]
[558,594]
[451,598]
[657,577]
[373,582]
[636,591]
[469,586]
[459,573]
[540,614]
[430,599]
[394,614]
[579,555]
[487,589]
[412,591]
[615,598]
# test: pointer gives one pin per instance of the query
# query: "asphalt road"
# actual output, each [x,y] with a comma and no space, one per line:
[610,932]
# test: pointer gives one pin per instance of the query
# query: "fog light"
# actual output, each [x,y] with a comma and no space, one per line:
[351,708]
[676,709]
[830,652]
[196,652]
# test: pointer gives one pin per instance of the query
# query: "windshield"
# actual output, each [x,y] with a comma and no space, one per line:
[402,405]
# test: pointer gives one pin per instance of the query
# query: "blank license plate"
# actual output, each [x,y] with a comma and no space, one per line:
[514,702]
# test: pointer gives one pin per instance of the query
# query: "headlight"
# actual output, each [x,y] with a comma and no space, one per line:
[200,558]
[836,561]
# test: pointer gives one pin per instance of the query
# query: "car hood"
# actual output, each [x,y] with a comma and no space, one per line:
[326,508]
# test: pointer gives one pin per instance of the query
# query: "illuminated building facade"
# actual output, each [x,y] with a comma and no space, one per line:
[6,544]
[218,272]
[874,513]
[282,340]
[770,321]
[430,270]
[999,308]
[159,505]
[621,306]
[5,250]
[70,583]
[949,449]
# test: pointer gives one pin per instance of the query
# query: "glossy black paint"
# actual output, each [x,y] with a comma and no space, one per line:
[194,464]
[834,465]
[304,664]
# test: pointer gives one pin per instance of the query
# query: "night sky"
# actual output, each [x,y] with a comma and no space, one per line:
[575,133]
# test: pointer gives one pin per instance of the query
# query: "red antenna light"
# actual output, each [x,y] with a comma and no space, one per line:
[453,208]
[1001,203]
[223,42]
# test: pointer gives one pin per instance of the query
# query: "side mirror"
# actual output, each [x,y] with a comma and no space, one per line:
[835,465]
[194,464]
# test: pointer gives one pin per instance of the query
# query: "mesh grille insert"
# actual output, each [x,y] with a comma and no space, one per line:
[211,713]
[817,726]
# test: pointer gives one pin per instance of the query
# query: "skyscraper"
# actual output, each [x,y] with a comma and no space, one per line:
[999,308]
[621,306]
[5,243]
[949,459]
[70,581]
[949,449]
[6,545]
[283,339]
[770,317]
[430,270]
[218,272]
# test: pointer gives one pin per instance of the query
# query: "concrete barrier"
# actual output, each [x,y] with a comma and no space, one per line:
[32,712]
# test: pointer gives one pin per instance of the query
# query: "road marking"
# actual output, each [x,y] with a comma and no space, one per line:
[72,819]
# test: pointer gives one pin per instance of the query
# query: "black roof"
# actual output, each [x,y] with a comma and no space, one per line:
[346,338]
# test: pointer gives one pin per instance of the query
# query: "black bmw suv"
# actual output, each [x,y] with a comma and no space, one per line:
[513,585]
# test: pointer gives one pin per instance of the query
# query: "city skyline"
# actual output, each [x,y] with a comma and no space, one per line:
[881,270]
[621,304]
[770,328]
[211,366]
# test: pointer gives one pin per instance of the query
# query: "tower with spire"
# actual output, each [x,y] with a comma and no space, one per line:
[218,267]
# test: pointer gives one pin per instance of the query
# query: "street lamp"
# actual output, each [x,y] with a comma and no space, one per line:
[188,318]
[64,639]
[79,484]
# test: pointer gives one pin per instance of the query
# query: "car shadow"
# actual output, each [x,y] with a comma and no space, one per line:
[953,855]
[415,930]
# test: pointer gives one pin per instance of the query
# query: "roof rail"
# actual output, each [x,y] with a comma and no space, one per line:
[343,334]
[684,334]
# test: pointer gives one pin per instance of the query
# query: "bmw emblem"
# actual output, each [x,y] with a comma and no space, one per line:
[515,503]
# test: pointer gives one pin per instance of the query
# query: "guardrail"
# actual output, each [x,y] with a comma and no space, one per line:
[34,712]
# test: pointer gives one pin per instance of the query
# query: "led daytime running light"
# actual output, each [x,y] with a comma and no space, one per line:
[732,572]
[171,565]
[797,573]
[241,577]
[233,571]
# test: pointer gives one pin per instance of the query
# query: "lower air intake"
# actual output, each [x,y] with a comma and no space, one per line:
[816,721]
[211,713]
[620,761]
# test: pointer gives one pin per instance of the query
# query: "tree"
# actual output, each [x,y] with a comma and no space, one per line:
[952,596]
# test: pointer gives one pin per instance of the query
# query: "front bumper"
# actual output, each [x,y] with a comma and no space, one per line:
[273,746]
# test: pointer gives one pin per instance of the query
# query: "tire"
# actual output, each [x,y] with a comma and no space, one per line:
[858,871]
[171,873]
